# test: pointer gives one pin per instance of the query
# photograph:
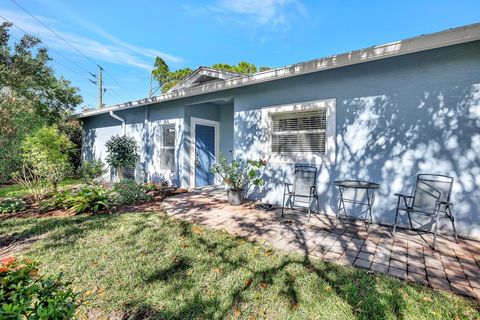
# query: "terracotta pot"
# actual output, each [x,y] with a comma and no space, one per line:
[235,197]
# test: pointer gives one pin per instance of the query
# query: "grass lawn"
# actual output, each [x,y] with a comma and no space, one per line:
[142,266]
[17,190]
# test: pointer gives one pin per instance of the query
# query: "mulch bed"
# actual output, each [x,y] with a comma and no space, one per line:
[155,204]
[17,244]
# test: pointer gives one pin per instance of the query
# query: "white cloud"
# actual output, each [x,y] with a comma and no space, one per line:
[112,50]
[146,52]
[271,13]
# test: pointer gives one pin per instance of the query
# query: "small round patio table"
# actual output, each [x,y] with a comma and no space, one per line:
[369,188]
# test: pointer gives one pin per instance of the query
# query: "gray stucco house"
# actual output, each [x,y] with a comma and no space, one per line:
[385,113]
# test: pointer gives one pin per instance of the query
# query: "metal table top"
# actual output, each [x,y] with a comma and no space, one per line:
[356,184]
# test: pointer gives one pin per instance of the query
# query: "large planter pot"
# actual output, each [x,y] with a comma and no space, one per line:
[235,197]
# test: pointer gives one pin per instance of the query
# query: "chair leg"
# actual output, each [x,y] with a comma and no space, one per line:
[435,229]
[309,207]
[396,216]
[283,204]
[452,220]
[318,205]
[410,219]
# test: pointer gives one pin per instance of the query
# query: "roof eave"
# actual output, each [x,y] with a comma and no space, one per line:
[417,44]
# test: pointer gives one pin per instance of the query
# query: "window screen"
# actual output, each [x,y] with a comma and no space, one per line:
[299,132]
[169,137]
[167,157]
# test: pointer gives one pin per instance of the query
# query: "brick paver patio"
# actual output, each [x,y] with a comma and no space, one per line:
[407,256]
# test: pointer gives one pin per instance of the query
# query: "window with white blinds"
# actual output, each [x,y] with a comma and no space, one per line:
[167,155]
[299,132]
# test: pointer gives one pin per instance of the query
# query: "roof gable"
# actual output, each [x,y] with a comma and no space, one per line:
[204,75]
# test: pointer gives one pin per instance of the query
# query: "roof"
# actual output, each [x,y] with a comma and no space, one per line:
[204,75]
[468,33]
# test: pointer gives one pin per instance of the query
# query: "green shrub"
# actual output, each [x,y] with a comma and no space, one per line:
[32,183]
[9,205]
[239,174]
[92,170]
[122,153]
[56,201]
[88,199]
[151,186]
[47,153]
[129,192]
[25,294]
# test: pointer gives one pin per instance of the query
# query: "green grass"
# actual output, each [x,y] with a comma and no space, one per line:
[17,190]
[141,265]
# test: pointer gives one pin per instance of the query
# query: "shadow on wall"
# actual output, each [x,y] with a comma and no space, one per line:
[389,139]
[88,145]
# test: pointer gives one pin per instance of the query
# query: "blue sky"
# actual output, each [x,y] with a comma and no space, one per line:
[124,37]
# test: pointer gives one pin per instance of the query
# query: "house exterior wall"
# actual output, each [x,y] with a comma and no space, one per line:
[155,118]
[394,118]
[145,123]
[226,130]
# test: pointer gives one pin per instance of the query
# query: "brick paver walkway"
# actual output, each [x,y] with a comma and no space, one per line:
[407,256]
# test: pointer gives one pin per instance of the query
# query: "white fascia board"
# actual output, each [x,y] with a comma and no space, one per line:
[445,38]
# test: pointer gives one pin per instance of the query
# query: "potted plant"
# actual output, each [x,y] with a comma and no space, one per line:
[121,153]
[238,175]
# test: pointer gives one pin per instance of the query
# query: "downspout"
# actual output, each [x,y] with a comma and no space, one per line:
[113,115]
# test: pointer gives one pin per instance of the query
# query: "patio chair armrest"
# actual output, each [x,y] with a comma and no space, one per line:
[288,184]
[402,195]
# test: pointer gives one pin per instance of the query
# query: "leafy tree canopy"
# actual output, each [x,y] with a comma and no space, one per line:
[31,96]
[168,79]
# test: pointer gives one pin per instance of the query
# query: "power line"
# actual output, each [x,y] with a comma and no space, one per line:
[110,93]
[63,39]
[53,31]
[63,65]
[50,48]
[118,84]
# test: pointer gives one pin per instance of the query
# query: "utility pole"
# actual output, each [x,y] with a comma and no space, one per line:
[100,97]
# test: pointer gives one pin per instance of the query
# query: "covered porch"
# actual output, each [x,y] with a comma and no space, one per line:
[407,255]
[208,134]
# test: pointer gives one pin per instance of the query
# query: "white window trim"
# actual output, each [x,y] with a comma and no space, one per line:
[216,124]
[313,158]
[159,125]
[163,147]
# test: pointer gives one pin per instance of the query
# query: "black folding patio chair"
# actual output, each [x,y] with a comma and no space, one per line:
[304,186]
[431,197]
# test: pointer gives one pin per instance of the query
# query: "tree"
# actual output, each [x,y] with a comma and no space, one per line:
[168,79]
[122,153]
[73,130]
[31,96]
[47,153]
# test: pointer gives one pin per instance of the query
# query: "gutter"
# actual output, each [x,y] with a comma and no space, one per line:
[113,115]
[465,34]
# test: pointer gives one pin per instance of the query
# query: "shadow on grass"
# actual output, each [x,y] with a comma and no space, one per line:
[197,308]
[62,232]
[177,269]
[175,249]
[353,286]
